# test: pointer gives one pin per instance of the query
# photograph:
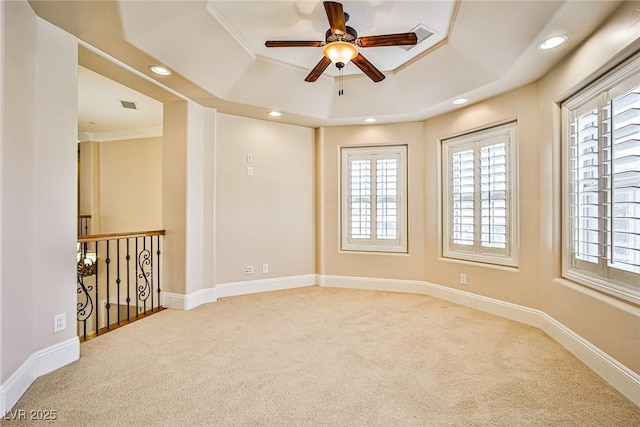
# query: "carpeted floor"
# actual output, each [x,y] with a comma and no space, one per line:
[327,357]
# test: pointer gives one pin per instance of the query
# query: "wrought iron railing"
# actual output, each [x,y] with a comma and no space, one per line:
[84,222]
[118,280]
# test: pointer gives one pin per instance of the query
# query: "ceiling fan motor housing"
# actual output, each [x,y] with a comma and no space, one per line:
[350,36]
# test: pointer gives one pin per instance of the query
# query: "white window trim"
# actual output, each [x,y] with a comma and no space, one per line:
[590,279]
[374,245]
[473,254]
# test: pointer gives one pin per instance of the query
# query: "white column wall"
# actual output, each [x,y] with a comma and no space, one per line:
[200,196]
[18,185]
[187,197]
[55,182]
[38,192]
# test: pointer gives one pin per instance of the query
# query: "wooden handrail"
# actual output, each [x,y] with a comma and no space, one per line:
[84,216]
[114,236]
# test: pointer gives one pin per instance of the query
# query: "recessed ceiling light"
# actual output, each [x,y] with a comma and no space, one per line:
[160,70]
[370,120]
[552,42]
[460,101]
[275,113]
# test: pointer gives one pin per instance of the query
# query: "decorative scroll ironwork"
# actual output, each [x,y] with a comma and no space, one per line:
[108,306]
[86,268]
[144,260]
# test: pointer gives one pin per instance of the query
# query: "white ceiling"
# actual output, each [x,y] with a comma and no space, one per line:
[252,24]
[216,50]
[100,111]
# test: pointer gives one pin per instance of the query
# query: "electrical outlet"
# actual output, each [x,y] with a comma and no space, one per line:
[59,322]
[463,278]
[249,158]
[249,170]
[265,268]
[248,269]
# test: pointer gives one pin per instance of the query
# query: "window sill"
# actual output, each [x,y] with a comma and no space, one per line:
[375,251]
[604,286]
[484,258]
[511,269]
[596,295]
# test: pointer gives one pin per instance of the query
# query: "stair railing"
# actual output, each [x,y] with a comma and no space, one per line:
[118,280]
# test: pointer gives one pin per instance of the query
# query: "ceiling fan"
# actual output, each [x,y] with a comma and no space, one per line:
[342,42]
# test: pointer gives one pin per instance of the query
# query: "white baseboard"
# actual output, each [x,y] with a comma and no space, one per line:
[39,363]
[407,286]
[265,285]
[204,296]
[189,301]
[615,373]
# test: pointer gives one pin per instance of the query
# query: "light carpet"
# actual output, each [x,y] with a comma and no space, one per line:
[327,357]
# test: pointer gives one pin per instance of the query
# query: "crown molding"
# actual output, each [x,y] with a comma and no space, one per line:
[120,135]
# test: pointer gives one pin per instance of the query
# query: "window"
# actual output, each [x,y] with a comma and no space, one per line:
[601,158]
[480,218]
[374,199]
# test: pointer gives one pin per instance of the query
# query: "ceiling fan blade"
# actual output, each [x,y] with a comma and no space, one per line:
[335,15]
[368,68]
[293,43]
[319,69]
[400,39]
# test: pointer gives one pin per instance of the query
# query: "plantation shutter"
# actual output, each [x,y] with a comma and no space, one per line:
[604,182]
[387,197]
[478,195]
[463,197]
[493,195]
[375,215]
[360,199]
[622,115]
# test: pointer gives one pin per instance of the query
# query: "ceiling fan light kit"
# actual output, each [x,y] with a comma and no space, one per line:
[341,45]
[340,53]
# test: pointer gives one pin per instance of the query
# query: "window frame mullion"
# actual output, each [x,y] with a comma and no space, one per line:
[477,198]
[373,225]
[604,210]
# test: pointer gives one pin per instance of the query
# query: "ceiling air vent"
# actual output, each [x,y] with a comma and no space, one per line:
[422,32]
[128,104]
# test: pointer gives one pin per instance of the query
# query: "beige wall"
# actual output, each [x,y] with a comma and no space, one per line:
[333,261]
[38,164]
[424,261]
[130,177]
[89,184]
[85,177]
[267,217]
[612,325]
[517,285]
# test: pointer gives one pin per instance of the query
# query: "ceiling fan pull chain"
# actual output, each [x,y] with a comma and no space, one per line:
[340,83]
